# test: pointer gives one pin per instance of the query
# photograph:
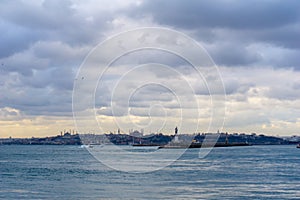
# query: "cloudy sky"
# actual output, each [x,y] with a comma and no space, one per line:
[255,45]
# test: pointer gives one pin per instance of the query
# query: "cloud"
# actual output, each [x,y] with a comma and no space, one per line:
[246,118]
[223,13]
[233,54]
[228,29]
[254,43]
[27,22]
[14,38]
[8,114]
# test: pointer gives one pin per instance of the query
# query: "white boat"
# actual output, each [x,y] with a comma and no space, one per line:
[154,147]
[298,145]
[86,146]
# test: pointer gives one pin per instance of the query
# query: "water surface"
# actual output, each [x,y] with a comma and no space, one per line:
[70,172]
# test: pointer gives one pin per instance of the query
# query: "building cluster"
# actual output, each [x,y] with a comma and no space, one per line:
[137,137]
[62,139]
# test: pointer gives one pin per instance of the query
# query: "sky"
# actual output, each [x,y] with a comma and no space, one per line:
[254,44]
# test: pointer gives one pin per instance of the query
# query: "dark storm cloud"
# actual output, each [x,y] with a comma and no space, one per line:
[232,54]
[44,15]
[193,14]
[237,24]
[23,23]
[286,36]
[14,38]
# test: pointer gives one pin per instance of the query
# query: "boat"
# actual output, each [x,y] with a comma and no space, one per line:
[146,146]
[298,145]
[85,146]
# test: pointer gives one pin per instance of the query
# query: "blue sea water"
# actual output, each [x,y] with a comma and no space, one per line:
[70,172]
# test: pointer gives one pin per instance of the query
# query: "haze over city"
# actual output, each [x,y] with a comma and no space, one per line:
[254,44]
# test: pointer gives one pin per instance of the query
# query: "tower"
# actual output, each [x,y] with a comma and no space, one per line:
[176,136]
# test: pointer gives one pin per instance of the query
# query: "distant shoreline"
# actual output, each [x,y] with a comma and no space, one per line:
[149,140]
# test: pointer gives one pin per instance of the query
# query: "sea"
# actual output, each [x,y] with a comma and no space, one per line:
[71,172]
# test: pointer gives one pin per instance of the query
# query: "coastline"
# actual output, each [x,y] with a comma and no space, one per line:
[163,141]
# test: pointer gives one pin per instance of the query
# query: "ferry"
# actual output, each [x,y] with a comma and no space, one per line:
[146,146]
[86,146]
